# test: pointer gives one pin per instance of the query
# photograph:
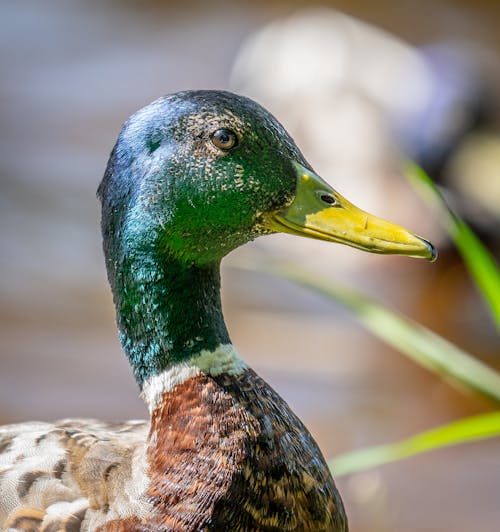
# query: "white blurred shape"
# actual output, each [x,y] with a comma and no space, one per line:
[324,50]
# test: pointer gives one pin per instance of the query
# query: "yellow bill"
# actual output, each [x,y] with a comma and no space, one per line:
[318,211]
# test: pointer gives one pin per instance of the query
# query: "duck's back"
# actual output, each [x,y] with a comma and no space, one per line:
[71,475]
[221,453]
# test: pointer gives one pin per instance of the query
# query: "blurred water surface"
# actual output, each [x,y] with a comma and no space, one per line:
[72,73]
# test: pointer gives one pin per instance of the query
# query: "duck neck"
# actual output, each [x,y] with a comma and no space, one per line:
[167,312]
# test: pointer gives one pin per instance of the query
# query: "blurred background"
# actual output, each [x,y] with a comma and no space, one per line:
[359,85]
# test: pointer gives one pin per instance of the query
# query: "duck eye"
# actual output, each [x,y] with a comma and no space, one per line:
[224,139]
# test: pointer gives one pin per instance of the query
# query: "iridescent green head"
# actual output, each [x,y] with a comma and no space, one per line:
[196,173]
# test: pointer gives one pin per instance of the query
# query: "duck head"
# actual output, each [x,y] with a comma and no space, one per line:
[193,176]
[198,173]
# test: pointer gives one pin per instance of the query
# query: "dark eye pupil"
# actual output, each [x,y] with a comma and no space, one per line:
[224,139]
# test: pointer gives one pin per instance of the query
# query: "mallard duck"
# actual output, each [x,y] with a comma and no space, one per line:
[192,176]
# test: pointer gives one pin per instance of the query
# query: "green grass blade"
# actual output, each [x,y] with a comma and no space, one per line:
[414,340]
[465,430]
[478,259]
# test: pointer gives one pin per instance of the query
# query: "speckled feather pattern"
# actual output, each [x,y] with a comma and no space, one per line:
[71,475]
[219,450]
